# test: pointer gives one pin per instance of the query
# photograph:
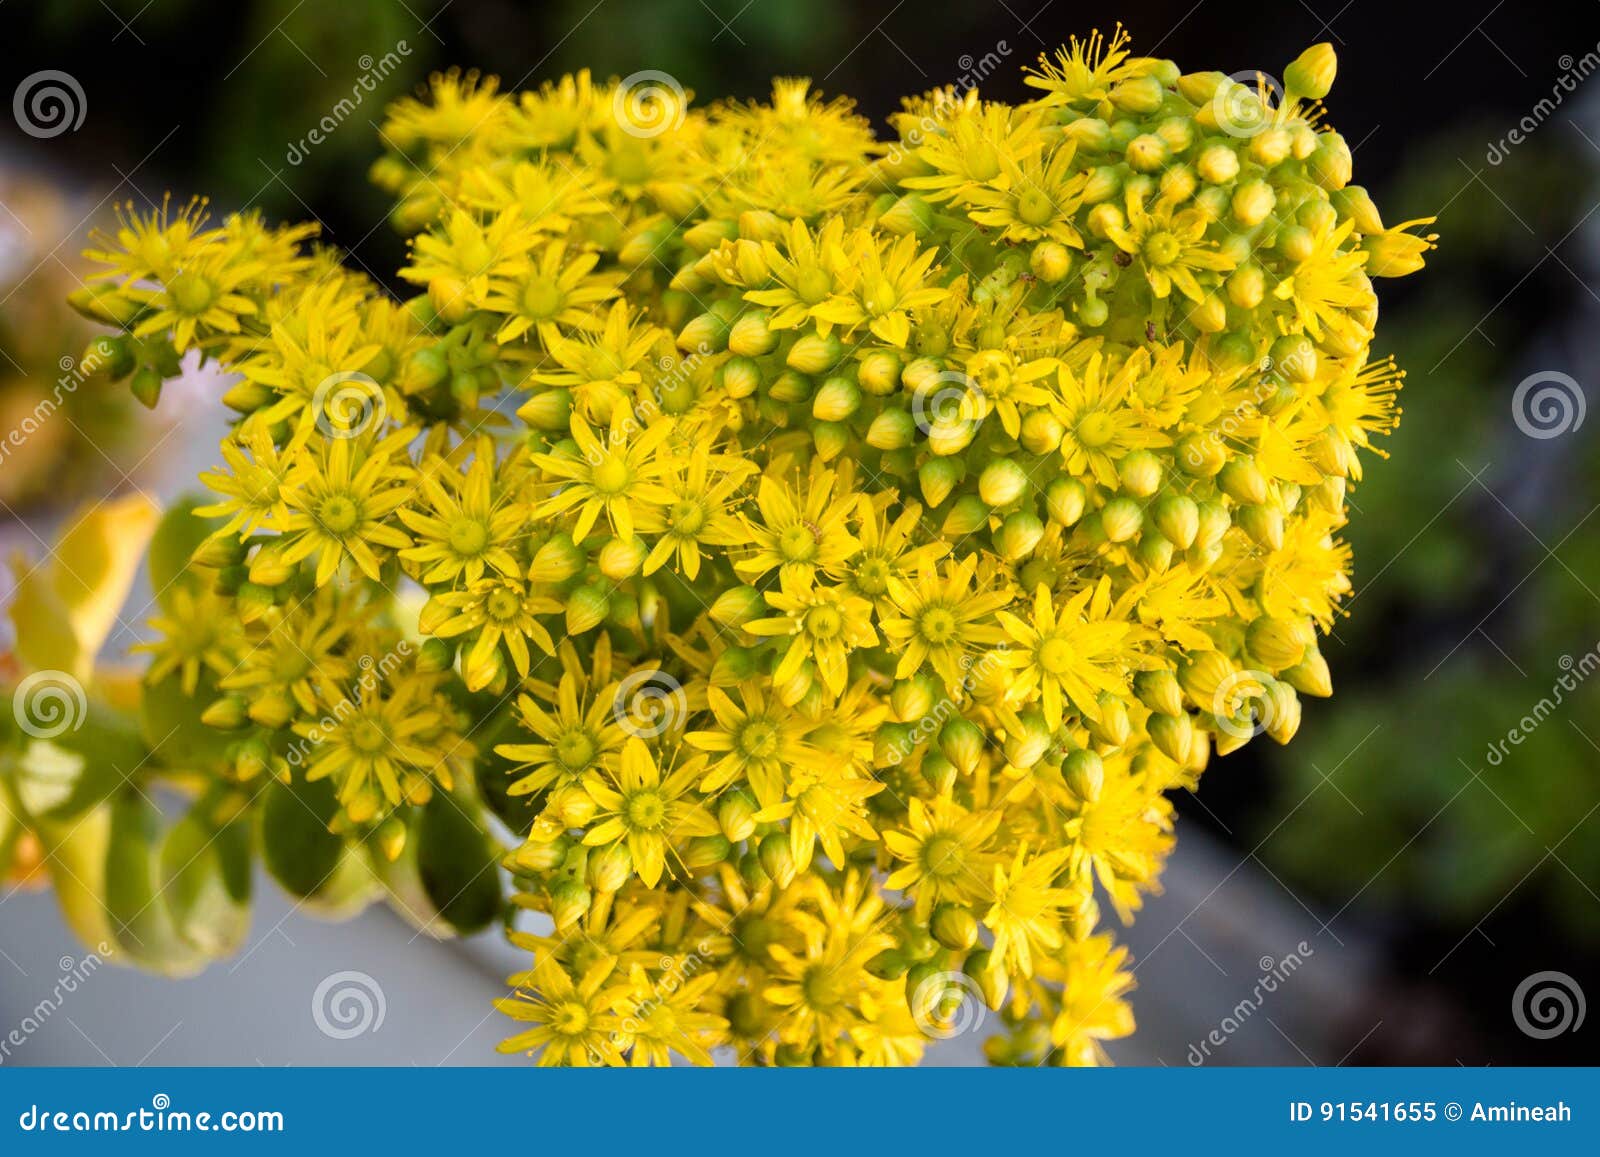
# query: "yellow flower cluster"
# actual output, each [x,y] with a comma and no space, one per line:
[836,548]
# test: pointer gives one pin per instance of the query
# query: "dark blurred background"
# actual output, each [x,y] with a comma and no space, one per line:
[1452,874]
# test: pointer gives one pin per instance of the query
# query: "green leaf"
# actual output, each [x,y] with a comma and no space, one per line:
[309,861]
[75,855]
[141,921]
[63,776]
[205,872]
[64,608]
[446,880]
[176,538]
[171,722]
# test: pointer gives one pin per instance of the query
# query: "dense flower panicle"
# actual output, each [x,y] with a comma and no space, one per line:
[883,527]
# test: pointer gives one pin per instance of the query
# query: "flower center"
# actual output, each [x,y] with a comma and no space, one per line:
[983,163]
[502,605]
[822,988]
[338,514]
[1055,654]
[872,575]
[191,293]
[1161,248]
[942,856]
[541,299]
[646,809]
[880,297]
[1095,429]
[1034,207]
[812,285]
[468,536]
[758,739]
[798,543]
[688,517]
[937,625]
[367,736]
[824,622]
[610,476]
[569,1018]
[575,750]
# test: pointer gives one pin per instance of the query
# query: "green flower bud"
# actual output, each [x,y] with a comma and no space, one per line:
[1090,133]
[1264,525]
[1209,314]
[1018,535]
[1214,522]
[991,978]
[879,373]
[569,900]
[272,709]
[955,928]
[1140,472]
[1104,184]
[737,606]
[610,867]
[837,400]
[1282,712]
[225,714]
[962,742]
[1354,203]
[1200,675]
[1147,153]
[1330,166]
[550,408]
[892,429]
[777,858]
[1173,736]
[736,816]
[1311,75]
[1064,500]
[1198,88]
[1278,642]
[619,558]
[268,569]
[1253,203]
[750,336]
[910,214]
[709,331]
[1041,432]
[1217,164]
[740,377]
[586,608]
[790,388]
[1085,774]
[557,560]
[890,964]
[814,354]
[938,477]
[1159,691]
[1139,96]
[911,699]
[1201,454]
[1121,518]
[1050,262]
[538,857]
[966,515]
[1271,146]
[1002,483]
[1155,551]
[1310,676]
[1029,746]
[1178,518]
[939,772]
[734,666]
[246,397]
[1241,480]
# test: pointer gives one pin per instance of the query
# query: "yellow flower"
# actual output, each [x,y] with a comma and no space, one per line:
[611,477]
[463,533]
[801,534]
[340,503]
[945,849]
[941,620]
[1169,246]
[497,610]
[574,1023]
[756,740]
[1071,655]
[824,625]
[648,813]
